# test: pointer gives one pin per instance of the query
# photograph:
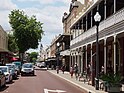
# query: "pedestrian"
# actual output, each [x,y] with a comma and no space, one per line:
[63,68]
[71,71]
[76,71]
[57,69]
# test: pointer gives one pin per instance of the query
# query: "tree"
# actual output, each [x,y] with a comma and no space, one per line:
[26,30]
[12,46]
[33,56]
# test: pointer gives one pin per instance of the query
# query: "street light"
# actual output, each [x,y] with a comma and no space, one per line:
[57,67]
[97,19]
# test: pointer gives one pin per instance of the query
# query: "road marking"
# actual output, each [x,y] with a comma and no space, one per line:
[49,90]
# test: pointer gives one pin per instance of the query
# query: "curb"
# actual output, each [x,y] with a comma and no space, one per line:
[85,89]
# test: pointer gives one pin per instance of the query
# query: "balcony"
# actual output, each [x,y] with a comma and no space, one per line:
[112,20]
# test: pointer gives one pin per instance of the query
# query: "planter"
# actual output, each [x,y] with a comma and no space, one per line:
[116,88]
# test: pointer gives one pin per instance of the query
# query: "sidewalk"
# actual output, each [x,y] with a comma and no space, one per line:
[66,76]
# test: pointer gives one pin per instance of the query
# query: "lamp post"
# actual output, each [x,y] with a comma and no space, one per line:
[57,67]
[97,19]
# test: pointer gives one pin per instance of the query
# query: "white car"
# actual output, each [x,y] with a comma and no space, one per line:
[6,71]
[27,68]
[13,71]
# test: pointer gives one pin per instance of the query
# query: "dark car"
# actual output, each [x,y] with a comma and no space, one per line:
[2,79]
[27,68]
[18,66]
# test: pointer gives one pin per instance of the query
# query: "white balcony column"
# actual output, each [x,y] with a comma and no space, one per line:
[91,18]
[82,26]
[105,62]
[105,9]
[86,22]
[114,53]
[78,29]
[79,63]
[114,6]
[75,58]
[75,31]
[82,60]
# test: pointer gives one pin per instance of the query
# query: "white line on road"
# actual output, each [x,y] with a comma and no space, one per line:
[49,90]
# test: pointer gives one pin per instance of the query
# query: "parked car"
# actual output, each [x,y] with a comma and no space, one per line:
[18,66]
[6,71]
[27,68]
[2,79]
[12,69]
[42,65]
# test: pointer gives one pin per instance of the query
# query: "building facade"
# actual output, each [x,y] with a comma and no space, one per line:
[111,37]
[4,53]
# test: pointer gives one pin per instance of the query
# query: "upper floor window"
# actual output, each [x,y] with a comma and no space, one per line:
[109,7]
[119,4]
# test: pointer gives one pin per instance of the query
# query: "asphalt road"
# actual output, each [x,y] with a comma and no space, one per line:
[42,82]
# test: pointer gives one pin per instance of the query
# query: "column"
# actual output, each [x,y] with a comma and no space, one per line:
[86,58]
[82,60]
[72,58]
[114,6]
[105,9]
[114,53]
[91,60]
[91,18]
[78,30]
[79,63]
[105,62]
[86,22]
[82,26]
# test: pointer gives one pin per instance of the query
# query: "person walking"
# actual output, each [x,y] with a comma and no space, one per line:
[76,71]
[63,68]
[71,71]
[57,69]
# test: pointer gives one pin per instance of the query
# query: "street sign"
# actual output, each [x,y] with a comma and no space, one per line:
[49,90]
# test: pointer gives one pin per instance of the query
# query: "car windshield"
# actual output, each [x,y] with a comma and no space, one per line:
[3,69]
[17,63]
[27,66]
[11,67]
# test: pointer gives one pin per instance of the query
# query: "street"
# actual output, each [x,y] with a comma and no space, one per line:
[42,82]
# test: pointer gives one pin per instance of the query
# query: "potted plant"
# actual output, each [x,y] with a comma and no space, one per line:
[112,82]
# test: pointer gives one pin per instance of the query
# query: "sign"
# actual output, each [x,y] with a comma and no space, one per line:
[56,91]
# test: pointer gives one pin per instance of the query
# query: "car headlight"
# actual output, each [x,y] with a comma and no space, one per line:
[7,75]
[22,70]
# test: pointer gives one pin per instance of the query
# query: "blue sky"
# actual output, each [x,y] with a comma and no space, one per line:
[49,12]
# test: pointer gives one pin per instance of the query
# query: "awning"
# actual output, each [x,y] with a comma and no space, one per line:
[65,53]
[14,59]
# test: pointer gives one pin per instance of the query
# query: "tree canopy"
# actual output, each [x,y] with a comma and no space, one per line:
[33,56]
[12,46]
[26,30]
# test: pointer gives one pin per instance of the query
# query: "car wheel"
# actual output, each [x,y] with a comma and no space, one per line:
[22,74]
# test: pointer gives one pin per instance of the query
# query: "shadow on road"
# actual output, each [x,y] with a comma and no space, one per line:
[41,69]
[3,88]
[11,82]
[28,75]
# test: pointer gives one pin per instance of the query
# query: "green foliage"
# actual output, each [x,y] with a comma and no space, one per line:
[12,46]
[112,79]
[27,30]
[33,56]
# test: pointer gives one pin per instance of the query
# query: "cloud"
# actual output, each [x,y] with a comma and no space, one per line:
[49,15]
[7,5]
[46,1]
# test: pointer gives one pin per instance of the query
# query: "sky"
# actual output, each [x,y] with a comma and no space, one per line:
[48,12]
